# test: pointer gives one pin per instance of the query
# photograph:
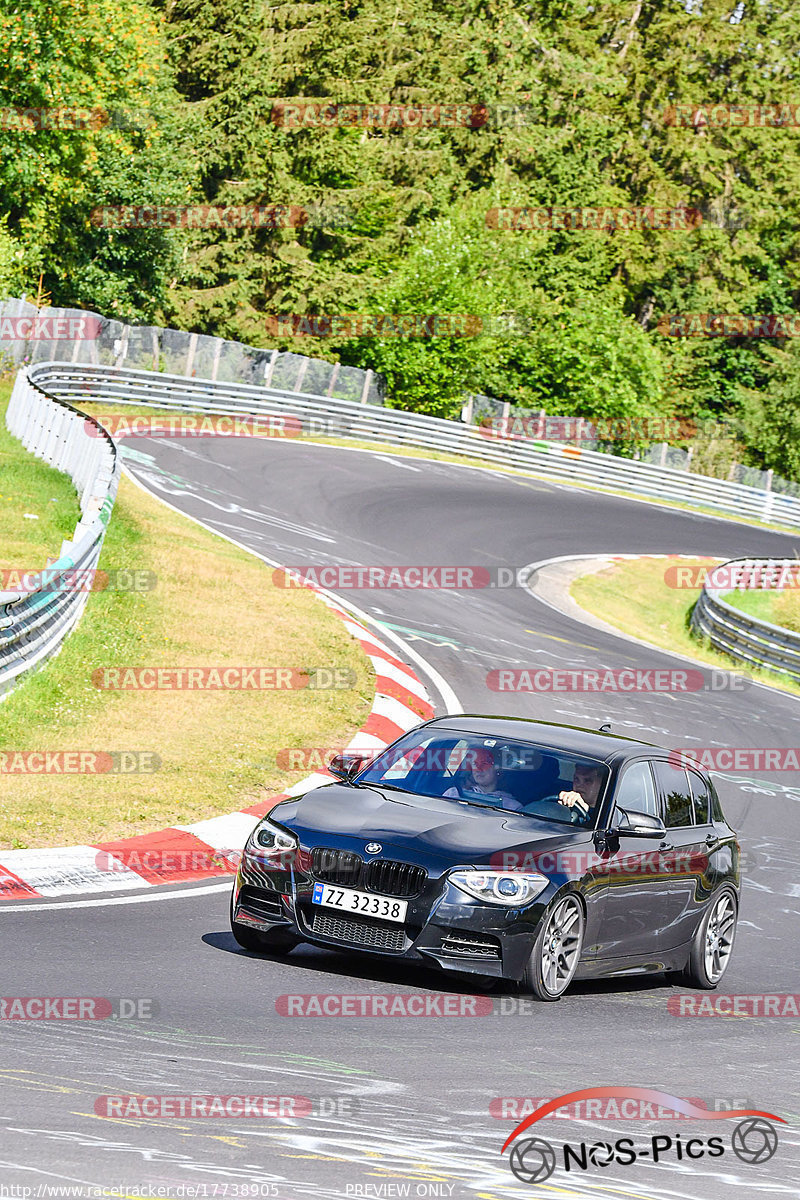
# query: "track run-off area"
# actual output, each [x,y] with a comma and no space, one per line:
[403,1105]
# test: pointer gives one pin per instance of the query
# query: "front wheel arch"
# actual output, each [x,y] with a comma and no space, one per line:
[549,972]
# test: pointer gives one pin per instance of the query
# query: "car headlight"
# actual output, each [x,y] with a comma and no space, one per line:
[500,887]
[267,838]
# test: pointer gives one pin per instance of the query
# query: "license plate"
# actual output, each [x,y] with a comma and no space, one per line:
[350,901]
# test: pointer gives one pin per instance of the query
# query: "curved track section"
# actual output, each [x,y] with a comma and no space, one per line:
[404,1103]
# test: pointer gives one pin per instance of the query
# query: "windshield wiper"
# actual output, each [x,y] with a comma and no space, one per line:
[389,787]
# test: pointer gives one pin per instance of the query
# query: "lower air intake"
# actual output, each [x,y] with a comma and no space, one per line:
[359,932]
[470,945]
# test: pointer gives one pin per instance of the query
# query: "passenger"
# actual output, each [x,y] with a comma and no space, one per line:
[482,778]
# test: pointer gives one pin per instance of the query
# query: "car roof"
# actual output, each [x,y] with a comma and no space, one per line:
[571,739]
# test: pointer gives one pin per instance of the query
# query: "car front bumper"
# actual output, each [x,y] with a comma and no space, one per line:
[444,926]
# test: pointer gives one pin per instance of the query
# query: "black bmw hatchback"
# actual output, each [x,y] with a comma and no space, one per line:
[508,848]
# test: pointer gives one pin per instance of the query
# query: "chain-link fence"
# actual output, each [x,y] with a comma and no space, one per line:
[106,342]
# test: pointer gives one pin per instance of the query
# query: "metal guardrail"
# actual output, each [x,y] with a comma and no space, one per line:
[34,623]
[343,418]
[43,415]
[748,639]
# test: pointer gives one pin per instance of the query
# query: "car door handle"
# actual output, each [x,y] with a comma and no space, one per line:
[711,839]
[665,846]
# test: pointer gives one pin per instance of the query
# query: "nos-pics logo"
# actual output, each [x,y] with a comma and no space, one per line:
[754,1139]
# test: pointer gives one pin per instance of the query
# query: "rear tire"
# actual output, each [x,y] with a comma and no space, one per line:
[713,942]
[556,951]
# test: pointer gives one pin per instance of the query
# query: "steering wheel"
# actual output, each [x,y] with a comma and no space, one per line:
[575,814]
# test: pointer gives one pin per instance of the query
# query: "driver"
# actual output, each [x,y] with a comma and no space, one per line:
[587,780]
[483,778]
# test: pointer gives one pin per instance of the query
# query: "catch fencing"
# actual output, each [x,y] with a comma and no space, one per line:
[176,352]
[165,369]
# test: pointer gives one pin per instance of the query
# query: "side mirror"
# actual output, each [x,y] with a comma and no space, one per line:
[346,766]
[640,824]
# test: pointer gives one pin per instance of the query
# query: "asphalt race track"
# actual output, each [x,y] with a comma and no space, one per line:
[401,1106]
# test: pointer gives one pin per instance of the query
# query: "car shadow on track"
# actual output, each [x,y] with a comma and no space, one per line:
[317,961]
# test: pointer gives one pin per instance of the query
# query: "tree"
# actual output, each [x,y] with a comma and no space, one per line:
[771,415]
[106,133]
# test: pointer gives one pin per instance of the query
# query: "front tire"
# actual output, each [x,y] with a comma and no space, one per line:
[556,951]
[713,942]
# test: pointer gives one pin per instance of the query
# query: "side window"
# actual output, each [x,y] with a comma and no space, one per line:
[702,797]
[635,791]
[678,806]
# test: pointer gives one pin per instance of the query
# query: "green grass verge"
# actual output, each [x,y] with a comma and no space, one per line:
[29,486]
[780,608]
[633,596]
[212,605]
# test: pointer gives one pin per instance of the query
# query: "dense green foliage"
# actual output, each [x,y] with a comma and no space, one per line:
[596,83]
[105,59]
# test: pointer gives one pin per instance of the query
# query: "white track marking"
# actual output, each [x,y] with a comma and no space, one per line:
[450,699]
[142,898]
[396,462]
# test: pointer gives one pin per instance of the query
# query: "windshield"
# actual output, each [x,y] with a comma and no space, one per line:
[538,781]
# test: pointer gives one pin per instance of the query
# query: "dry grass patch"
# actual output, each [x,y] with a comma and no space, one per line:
[213,605]
[633,596]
